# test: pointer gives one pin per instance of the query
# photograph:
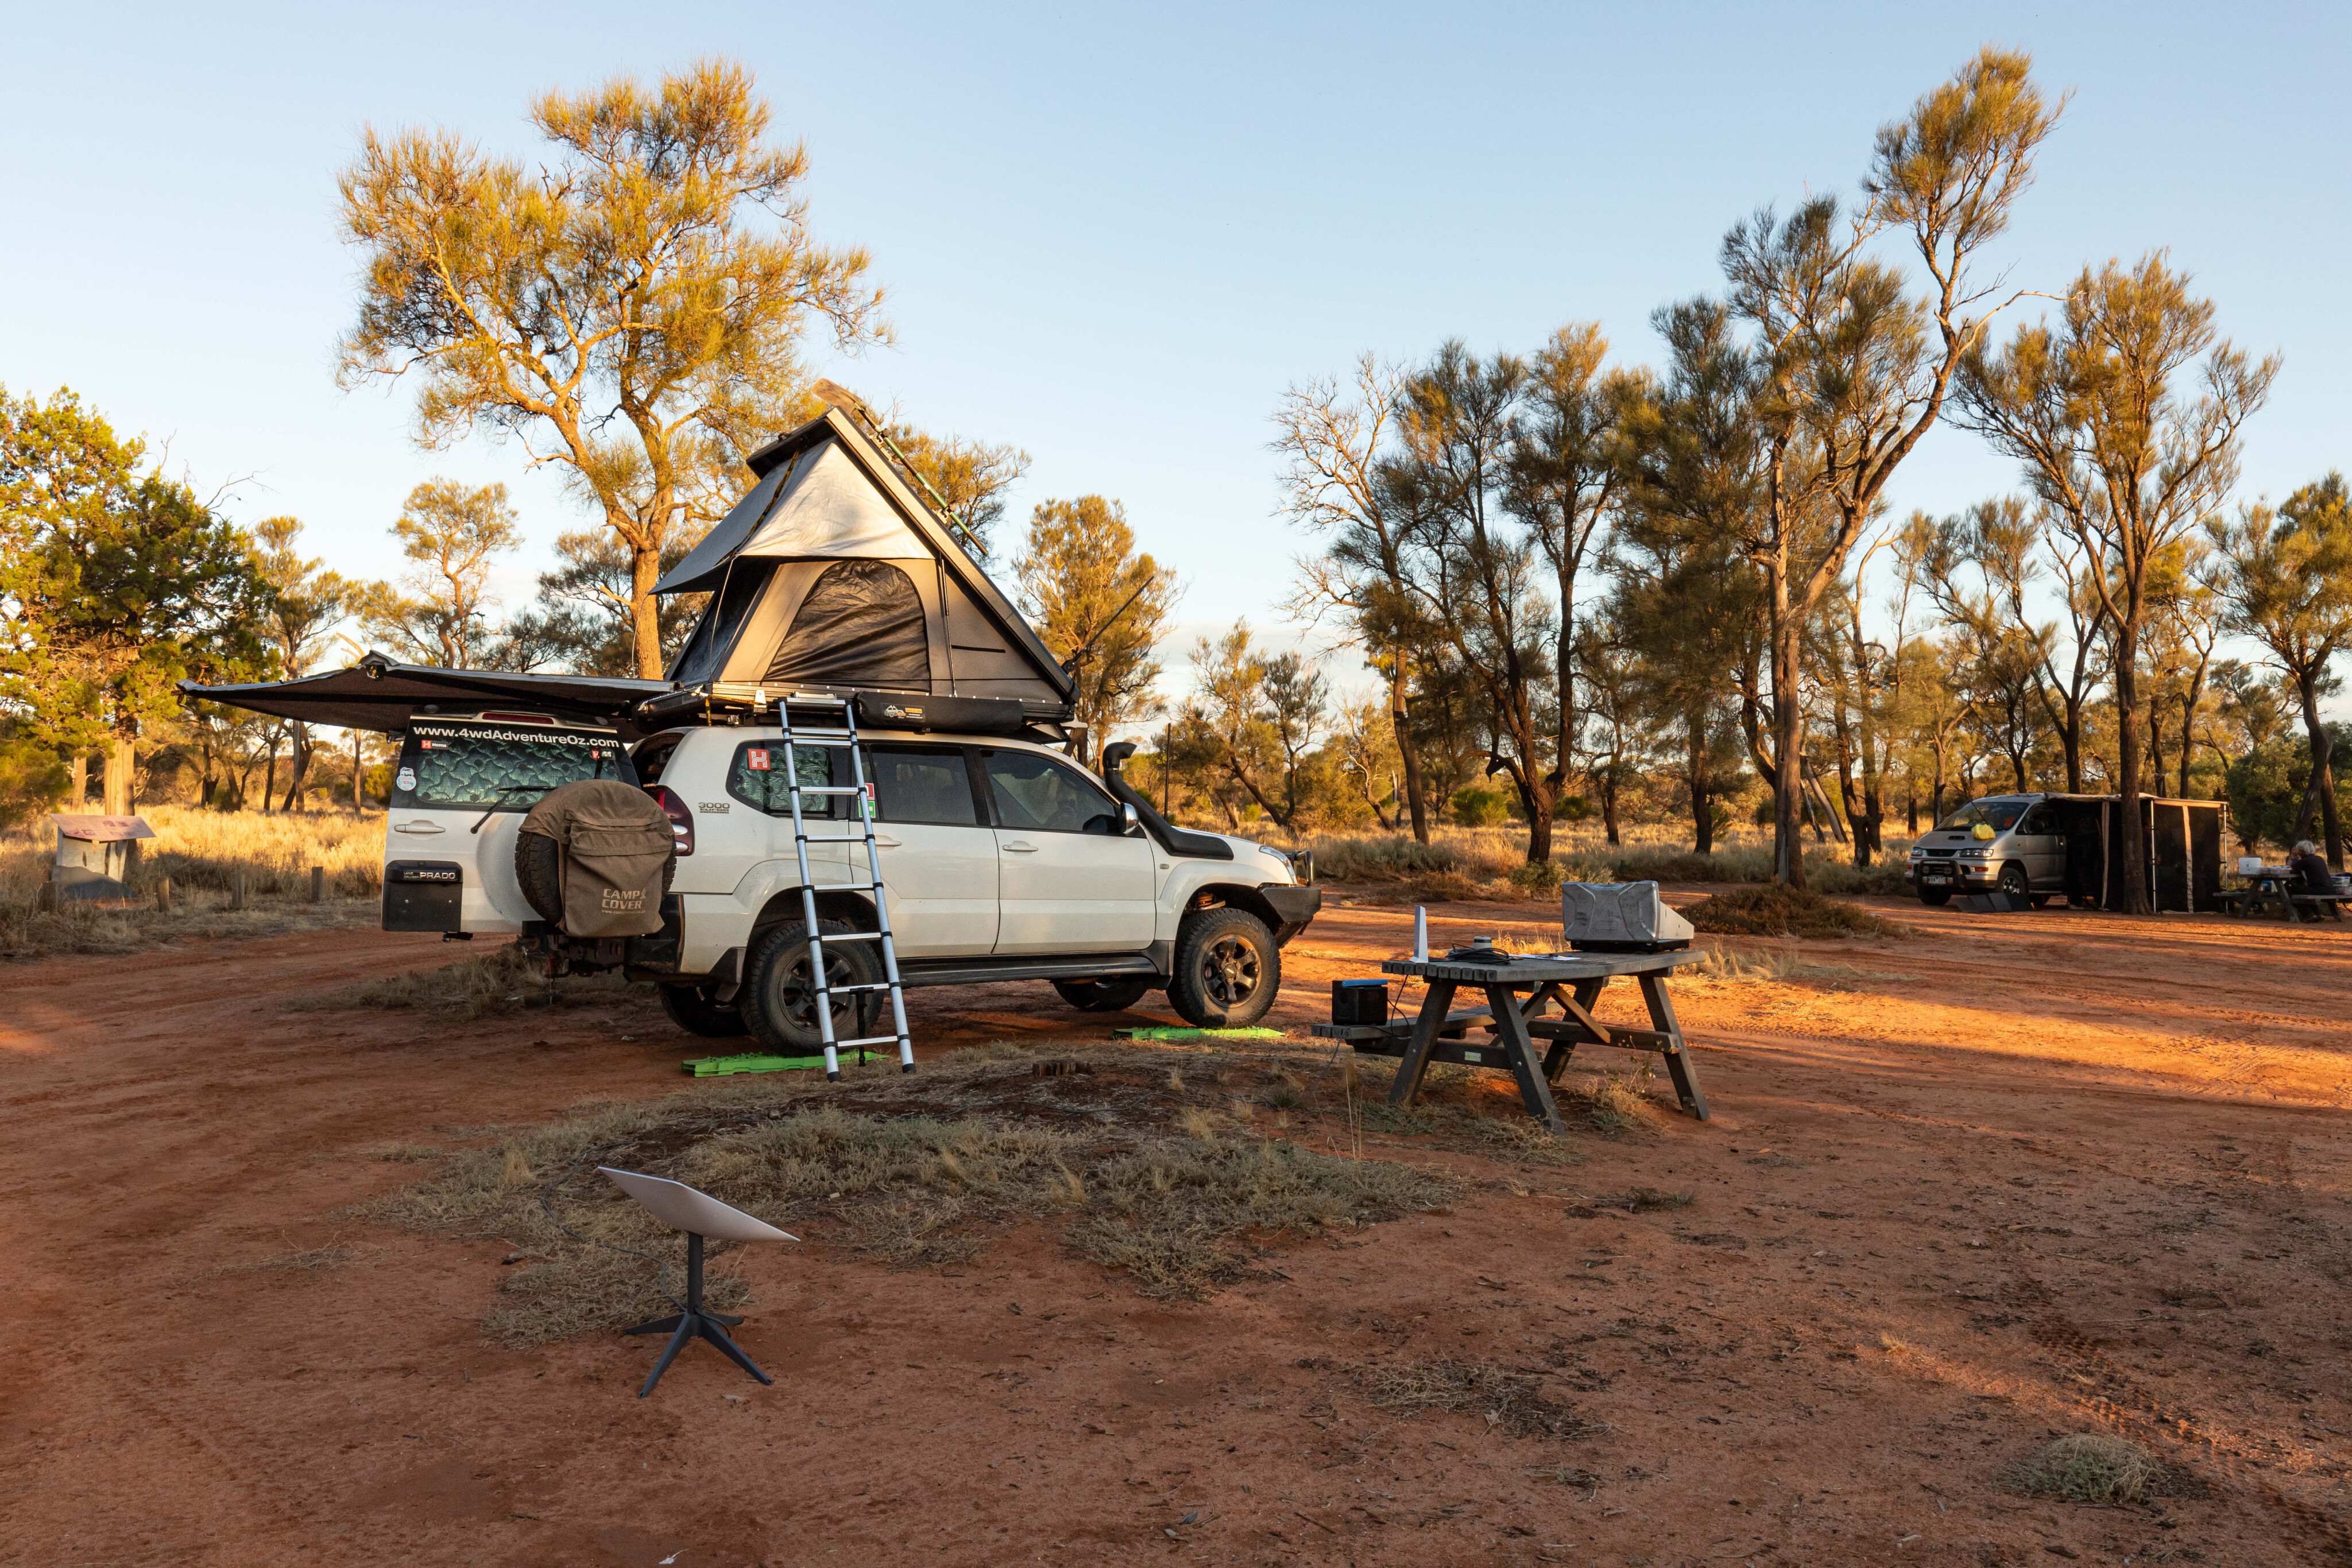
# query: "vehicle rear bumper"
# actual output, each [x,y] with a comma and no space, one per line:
[1293,907]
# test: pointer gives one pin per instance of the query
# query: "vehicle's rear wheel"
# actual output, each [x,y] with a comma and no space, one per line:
[1935,895]
[2013,881]
[697,1011]
[1112,996]
[779,997]
[1227,969]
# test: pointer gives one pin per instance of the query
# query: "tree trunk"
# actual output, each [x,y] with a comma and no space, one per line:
[270,780]
[298,765]
[644,571]
[2319,794]
[1702,804]
[77,790]
[121,759]
[1609,805]
[357,806]
[1788,754]
[2129,750]
[1406,751]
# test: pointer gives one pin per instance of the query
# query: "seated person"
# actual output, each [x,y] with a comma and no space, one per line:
[2311,875]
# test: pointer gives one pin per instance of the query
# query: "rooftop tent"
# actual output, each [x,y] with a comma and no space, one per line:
[831,573]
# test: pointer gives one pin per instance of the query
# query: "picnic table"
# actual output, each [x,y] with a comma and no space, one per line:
[2273,885]
[1571,982]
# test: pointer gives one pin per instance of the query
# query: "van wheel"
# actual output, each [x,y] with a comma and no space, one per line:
[779,998]
[1935,895]
[2013,881]
[1227,969]
[1102,995]
[695,1011]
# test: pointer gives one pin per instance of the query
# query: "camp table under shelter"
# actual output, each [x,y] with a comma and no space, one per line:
[1570,981]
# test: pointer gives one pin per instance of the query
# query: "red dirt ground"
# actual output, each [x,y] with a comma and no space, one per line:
[2028,1175]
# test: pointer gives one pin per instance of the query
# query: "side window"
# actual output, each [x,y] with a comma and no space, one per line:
[756,777]
[921,786]
[2037,821]
[1036,793]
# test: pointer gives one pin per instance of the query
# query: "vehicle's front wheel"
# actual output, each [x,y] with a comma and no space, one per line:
[697,1011]
[2013,881]
[1113,995]
[779,997]
[1935,895]
[1227,969]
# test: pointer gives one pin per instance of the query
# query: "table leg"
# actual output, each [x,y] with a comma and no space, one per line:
[1434,1006]
[1520,1047]
[1577,1007]
[1679,1065]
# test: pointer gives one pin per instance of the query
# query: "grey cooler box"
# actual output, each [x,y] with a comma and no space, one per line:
[1620,918]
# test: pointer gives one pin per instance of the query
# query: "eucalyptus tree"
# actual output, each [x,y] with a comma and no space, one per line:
[438,612]
[1100,605]
[2286,580]
[2126,416]
[305,603]
[1852,368]
[630,307]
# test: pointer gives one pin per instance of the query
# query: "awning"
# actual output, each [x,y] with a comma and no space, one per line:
[377,694]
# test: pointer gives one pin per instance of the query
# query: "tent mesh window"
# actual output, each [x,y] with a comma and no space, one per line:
[861,624]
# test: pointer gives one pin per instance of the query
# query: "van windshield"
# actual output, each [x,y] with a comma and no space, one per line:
[1999,815]
[477,766]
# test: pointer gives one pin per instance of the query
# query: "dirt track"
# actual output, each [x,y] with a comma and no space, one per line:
[2077,1173]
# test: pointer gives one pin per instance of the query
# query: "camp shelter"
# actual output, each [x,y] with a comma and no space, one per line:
[379,693]
[2180,842]
[831,574]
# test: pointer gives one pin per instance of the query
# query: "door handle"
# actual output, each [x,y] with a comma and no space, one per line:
[426,827]
[1019,847]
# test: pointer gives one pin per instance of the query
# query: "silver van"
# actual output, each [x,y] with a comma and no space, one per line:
[2007,843]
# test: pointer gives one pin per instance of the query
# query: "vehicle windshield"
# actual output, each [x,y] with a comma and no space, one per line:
[482,767]
[1999,815]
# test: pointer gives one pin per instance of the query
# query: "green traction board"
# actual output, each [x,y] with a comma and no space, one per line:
[1170,1032]
[720,1066]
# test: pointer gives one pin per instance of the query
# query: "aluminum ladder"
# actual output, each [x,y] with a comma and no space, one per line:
[861,792]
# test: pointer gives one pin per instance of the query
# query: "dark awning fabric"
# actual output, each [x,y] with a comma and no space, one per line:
[377,694]
[861,625]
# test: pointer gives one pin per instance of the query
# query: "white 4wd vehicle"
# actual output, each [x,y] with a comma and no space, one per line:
[1002,860]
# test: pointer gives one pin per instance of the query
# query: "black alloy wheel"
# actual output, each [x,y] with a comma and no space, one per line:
[1227,969]
[779,998]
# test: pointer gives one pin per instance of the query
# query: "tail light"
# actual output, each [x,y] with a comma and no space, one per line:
[681,820]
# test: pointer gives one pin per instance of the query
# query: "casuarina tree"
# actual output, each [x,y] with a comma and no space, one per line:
[631,307]
[2125,415]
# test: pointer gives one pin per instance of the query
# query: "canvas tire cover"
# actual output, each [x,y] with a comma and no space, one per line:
[614,848]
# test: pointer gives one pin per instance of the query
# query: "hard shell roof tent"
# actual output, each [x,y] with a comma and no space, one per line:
[832,574]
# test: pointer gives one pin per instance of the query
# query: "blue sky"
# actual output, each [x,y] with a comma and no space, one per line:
[1114,235]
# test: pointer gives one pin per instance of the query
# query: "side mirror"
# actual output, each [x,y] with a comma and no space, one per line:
[1130,823]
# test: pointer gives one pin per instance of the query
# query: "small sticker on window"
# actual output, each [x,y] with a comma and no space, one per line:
[757,759]
[408,780]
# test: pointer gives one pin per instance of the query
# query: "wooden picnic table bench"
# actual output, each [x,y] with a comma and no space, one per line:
[1570,981]
[2272,889]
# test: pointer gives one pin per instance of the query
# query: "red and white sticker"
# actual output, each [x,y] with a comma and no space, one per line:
[756,759]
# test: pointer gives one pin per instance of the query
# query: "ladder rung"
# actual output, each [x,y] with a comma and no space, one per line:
[869,1040]
[845,887]
[845,990]
[851,937]
[828,789]
[798,738]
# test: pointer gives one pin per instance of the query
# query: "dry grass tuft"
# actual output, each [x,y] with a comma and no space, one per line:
[1615,1103]
[480,984]
[1770,909]
[1510,1400]
[2089,1467]
[905,1184]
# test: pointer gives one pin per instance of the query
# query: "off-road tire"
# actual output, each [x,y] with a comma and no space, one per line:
[1112,996]
[1935,895]
[2013,880]
[697,1011]
[1227,969]
[778,1001]
[539,870]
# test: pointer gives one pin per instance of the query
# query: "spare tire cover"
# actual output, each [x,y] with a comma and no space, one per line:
[614,847]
